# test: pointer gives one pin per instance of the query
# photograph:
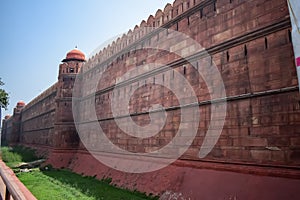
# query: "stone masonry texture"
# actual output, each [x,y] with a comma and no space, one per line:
[249,42]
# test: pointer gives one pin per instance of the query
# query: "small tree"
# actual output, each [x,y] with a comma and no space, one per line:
[3,97]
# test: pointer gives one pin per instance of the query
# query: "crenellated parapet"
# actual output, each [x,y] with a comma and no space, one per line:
[247,42]
[250,46]
[171,17]
[208,22]
[160,18]
[52,89]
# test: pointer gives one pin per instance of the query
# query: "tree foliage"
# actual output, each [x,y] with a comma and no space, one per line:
[3,96]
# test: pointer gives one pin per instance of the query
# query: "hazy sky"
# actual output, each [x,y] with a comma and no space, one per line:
[35,36]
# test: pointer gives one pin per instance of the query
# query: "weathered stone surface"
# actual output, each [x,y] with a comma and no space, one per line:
[250,44]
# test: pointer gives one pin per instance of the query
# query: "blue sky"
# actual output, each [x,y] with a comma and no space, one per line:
[36,35]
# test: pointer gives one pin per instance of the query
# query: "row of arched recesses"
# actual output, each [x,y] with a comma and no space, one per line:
[70,70]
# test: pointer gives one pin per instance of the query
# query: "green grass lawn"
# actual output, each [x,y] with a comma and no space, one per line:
[63,184]
[16,155]
[54,184]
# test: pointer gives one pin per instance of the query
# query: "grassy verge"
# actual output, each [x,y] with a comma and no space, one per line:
[63,184]
[16,155]
[54,184]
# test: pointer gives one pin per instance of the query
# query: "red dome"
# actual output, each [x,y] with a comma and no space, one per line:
[74,54]
[21,103]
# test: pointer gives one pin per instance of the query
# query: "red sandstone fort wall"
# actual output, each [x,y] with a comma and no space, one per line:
[208,22]
[6,131]
[250,43]
[38,119]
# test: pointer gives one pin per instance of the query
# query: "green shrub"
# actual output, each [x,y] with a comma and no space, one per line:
[9,156]
[12,156]
[27,154]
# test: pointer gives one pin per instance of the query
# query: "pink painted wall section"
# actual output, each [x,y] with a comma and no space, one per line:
[298,62]
[294,9]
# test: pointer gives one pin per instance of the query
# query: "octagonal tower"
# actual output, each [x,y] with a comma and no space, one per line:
[65,131]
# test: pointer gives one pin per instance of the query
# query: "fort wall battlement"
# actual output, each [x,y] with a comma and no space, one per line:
[216,21]
[249,42]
